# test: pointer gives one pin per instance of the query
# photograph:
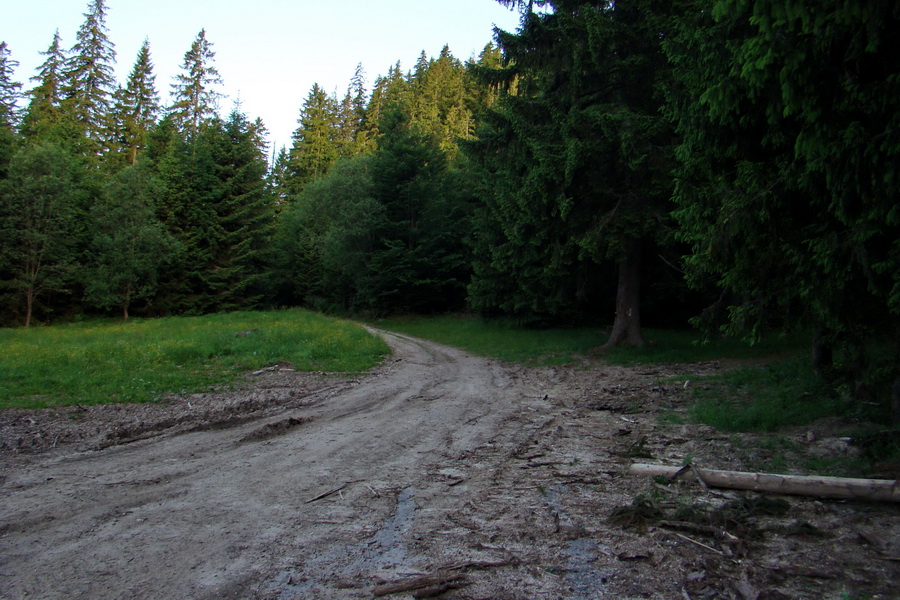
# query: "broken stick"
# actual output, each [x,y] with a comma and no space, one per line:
[885,490]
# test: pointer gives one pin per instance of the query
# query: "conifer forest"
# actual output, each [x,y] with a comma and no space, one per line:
[729,164]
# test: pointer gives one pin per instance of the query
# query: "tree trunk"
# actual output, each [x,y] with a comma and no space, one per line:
[822,355]
[886,490]
[29,304]
[627,326]
[126,301]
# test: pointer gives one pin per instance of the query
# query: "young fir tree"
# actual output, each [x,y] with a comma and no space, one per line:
[195,93]
[316,145]
[88,81]
[137,106]
[419,262]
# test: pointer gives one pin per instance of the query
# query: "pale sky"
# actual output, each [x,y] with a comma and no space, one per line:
[268,52]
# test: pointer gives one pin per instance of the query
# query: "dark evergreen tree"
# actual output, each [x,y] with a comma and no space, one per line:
[419,262]
[788,182]
[137,106]
[575,158]
[195,90]
[244,211]
[88,81]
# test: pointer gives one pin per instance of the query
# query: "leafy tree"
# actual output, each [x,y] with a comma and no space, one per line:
[195,89]
[88,81]
[38,219]
[788,182]
[316,145]
[575,158]
[137,105]
[129,245]
[325,237]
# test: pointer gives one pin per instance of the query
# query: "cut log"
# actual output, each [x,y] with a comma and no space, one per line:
[885,490]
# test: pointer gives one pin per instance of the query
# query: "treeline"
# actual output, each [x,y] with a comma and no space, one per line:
[735,161]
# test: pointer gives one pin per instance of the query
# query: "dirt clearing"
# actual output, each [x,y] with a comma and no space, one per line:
[437,475]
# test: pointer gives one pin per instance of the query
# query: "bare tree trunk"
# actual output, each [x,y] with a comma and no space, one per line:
[29,304]
[126,301]
[627,326]
[822,356]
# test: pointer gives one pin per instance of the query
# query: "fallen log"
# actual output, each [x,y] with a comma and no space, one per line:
[885,490]
[428,582]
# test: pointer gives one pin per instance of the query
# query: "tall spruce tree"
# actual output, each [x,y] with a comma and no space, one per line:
[88,83]
[788,182]
[10,112]
[316,145]
[137,105]
[44,116]
[194,91]
[575,161]
[244,210]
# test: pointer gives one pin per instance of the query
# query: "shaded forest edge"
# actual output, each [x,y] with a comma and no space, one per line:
[627,163]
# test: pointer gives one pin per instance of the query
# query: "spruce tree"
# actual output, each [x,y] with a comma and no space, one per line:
[137,106]
[575,162]
[788,175]
[88,81]
[244,211]
[316,145]
[43,116]
[195,93]
[10,113]
[10,90]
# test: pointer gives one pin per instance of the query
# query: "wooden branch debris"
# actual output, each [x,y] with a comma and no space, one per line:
[846,488]
[420,584]
[328,493]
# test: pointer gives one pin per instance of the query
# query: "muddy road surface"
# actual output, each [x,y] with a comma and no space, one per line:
[437,475]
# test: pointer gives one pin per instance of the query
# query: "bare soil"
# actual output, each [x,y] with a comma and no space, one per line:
[439,475]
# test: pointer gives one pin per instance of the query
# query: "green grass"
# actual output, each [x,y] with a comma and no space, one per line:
[499,339]
[780,394]
[143,360]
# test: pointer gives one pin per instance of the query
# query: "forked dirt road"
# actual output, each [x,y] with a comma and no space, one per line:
[440,474]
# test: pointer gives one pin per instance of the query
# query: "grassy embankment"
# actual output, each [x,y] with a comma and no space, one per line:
[109,361]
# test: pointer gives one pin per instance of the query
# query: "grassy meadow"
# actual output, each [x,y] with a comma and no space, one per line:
[108,361]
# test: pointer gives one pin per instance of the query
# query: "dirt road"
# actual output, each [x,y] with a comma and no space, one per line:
[439,474]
